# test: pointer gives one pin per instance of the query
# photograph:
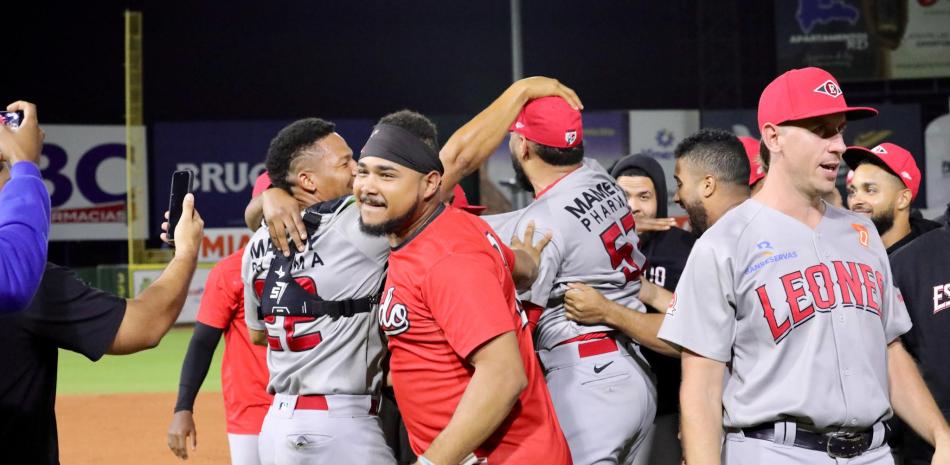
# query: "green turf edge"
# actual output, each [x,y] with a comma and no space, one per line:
[154,370]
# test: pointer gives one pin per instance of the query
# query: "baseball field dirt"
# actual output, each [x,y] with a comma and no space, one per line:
[117,410]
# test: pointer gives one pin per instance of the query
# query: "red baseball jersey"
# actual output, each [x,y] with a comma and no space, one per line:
[448,292]
[244,367]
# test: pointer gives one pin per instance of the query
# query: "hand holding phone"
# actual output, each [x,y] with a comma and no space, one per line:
[11,119]
[21,138]
[182,184]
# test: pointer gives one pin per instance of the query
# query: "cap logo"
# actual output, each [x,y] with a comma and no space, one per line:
[570,136]
[879,149]
[519,125]
[829,88]
[906,175]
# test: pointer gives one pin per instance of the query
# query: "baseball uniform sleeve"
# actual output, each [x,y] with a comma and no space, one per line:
[702,315]
[469,305]
[219,301]
[251,301]
[894,312]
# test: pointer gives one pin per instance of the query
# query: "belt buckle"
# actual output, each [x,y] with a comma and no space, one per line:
[844,444]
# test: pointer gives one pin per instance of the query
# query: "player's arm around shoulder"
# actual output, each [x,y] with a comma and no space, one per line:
[473,143]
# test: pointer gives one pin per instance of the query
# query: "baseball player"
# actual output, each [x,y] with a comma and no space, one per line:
[712,173]
[305,362]
[711,180]
[324,349]
[886,180]
[597,376]
[462,360]
[796,297]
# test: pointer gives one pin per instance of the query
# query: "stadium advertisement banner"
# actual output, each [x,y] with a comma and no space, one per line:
[656,133]
[85,173]
[218,243]
[899,124]
[142,278]
[226,157]
[860,40]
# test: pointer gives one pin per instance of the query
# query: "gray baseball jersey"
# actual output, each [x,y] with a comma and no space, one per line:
[802,316]
[322,355]
[593,242]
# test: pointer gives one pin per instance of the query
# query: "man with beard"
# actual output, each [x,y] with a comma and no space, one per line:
[600,384]
[641,177]
[787,313]
[708,177]
[712,177]
[316,310]
[462,359]
[886,180]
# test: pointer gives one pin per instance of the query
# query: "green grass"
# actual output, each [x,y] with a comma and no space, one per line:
[155,370]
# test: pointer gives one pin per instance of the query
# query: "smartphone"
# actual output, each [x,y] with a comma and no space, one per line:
[11,118]
[182,184]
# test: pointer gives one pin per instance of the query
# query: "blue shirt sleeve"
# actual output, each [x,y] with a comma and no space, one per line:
[24,230]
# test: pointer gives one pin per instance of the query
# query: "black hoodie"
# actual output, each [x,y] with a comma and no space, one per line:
[918,226]
[666,253]
[921,271]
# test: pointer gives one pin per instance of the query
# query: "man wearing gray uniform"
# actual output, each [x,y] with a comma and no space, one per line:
[600,384]
[795,297]
[324,348]
[313,303]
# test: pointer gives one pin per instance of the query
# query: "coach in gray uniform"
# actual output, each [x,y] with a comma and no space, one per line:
[796,298]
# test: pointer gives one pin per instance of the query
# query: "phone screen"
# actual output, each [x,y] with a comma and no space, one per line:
[181,185]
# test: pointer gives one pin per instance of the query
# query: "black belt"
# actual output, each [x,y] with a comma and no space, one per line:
[842,444]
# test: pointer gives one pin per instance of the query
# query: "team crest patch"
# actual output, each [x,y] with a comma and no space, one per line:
[570,137]
[829,88]
[863,236]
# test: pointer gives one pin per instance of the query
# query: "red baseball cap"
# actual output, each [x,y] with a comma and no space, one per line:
[805,93]
[751,145]
[261,185]
[898,160]
[461,202]
[550,121]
